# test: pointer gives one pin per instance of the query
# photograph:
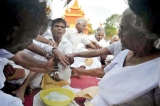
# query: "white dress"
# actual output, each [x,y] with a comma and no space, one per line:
[124,84]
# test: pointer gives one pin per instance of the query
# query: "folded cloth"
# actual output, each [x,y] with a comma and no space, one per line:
[19,74]
[48,82]
[88,61]
[89,92]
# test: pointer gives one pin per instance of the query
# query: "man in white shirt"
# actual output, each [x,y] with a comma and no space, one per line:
[76,36]
[63,45]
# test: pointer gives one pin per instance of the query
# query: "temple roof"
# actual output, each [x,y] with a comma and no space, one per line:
[75,5]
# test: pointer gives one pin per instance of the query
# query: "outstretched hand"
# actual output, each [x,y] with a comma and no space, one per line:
[70,57]
[60,57]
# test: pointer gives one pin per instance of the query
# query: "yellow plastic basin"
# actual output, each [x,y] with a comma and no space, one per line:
[62,91]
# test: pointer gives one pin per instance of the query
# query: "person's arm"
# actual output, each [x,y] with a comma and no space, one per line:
[96,44]
[96,72]
[60,57]
[91,53]
[33,64]
[44,40]
[34,48]
[91,45]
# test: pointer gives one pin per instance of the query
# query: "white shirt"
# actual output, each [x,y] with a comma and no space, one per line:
[72,35]
[102,42]
[3,54]
[65,46]
[3,62]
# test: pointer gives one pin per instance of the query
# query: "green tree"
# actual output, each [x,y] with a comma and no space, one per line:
[111,25]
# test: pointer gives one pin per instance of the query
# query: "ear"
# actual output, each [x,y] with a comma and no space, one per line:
[138,22]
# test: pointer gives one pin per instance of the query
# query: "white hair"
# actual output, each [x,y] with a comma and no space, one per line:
[129,17]
[114,36]
[81,21]
[100,29]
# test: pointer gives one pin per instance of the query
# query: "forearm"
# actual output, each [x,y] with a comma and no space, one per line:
[97,72]
[91,45]
[34,48]
[27,61]
[91,53]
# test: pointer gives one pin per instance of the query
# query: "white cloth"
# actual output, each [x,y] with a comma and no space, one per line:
[102,42]
[57,8]
[8,100]
[5,99]
[114,48]
[79,61]
[72,35]
[5,54]
[124,84]
[3,62]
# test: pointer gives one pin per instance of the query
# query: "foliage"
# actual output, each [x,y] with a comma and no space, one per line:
[91,31]
[111,25]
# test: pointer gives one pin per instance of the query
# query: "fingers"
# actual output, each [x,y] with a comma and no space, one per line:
[103,66]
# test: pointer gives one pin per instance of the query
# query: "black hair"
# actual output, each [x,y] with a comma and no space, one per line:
[149,10]
[29,14]
[58,20]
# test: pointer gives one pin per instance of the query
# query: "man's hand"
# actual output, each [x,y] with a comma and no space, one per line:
[60,57]
[70,57]
[96,44]
[76,72]
[8,70]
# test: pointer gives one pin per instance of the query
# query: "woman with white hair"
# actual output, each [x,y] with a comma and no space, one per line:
[131,79]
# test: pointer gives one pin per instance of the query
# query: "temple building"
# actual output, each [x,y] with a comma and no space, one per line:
[73,13]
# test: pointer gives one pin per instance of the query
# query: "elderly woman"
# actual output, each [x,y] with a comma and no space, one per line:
[131,78]
[148,18]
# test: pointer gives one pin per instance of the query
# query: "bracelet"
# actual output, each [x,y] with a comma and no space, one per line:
[46,55]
